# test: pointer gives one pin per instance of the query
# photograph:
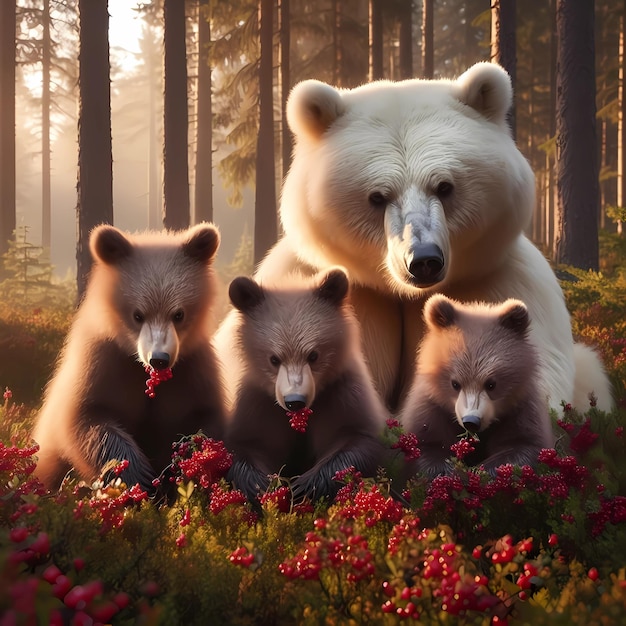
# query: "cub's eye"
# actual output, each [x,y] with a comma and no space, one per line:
[490,384]
[312,357]
[456,385]
[444,189]
[138,317]
[274,360]
[377,200]
[179,316]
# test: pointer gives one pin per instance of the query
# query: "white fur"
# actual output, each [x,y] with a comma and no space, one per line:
[401,142]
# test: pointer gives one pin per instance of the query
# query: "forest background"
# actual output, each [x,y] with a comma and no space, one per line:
[205,82]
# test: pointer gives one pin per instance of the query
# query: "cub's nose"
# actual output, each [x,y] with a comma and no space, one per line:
[160,360]
[295,401]
[471,423]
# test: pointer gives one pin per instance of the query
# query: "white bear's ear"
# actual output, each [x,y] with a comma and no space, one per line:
[245,293]
[334,286]
[514,316]
[486,87]
[312,107]
[109,245]
[440,312]
[202,244]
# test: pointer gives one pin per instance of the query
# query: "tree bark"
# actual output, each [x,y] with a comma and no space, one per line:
[176,214]
[7,123]
[285,84]
[265,215]
[46,206]
[95,161]
[503,43]
[577,240]
[203,198]
[428,52]
[405,53]
[375,40]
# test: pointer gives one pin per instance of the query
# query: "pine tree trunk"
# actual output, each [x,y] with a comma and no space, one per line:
[405,54]
[265,216]
[375,40]
[428,50]
[95,162]
[46,206]
[203,198]
[503,43]
[337,45]
[577,239]
[285,84]
[621,118]
[7,123]
[176,118]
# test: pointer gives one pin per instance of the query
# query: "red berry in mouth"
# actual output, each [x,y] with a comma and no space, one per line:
[298,419]
[156,378]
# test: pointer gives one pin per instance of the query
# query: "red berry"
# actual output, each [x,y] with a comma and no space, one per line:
[19,534]
[593,574]
[51,574]
[553,540]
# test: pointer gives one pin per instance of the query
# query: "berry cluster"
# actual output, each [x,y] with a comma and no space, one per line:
[298,420]
[156,378]
[200,459]
[241,557]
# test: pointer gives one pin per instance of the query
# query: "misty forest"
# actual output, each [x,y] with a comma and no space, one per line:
[164,114]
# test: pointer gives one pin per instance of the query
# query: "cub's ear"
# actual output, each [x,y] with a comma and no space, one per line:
[333,287]
[202,244]
[109,245]
[245,294]
[514,316]
[312,107]
[486,87]
[440,312]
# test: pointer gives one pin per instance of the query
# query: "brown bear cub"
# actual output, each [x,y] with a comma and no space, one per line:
[299,348]
[477,371]
[146,312]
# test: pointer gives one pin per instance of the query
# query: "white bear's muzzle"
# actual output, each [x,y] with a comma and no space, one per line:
[295,386]
[158,345]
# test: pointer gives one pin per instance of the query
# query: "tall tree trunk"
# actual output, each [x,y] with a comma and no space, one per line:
[155,200]
[95,161]
[265,216]
[577,240]
[337,45]
[176,118]
[204,125]
[46,206]
[7,123]
[428,38]
[375,39]
[503,43]
[285,84]
[405,54]
[552,193]
[621,118]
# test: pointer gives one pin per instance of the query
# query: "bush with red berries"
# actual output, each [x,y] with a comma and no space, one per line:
[530,545]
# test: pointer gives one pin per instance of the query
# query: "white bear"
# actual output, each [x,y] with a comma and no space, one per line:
[416,187]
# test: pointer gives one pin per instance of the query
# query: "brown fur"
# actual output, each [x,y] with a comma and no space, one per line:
[476,347]
[95,408]
[308,316]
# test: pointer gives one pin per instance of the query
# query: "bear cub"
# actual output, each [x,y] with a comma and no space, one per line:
[147,311]
[477,371]
[299,347]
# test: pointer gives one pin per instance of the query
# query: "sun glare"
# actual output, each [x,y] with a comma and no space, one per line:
[125,28]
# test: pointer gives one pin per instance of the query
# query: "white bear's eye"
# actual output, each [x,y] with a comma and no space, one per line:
[377,200]
[138,317]
[274,360]
[490,384]
[444,189]
[456,385]
[312,357]
[179,316]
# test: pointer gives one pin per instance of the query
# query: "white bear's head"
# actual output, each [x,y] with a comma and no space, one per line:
[410,185]
[153,293]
